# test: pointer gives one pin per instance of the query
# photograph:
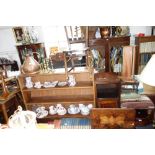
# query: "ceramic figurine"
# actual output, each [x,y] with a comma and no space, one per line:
[71,81]
[29,83]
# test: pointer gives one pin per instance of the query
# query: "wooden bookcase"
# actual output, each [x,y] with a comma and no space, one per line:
[82,92]
[145,47]
[104,46]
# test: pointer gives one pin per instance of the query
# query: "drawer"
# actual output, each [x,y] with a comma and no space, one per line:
[107,103]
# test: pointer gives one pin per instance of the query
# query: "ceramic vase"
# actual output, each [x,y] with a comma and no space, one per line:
[30,65]
[105,31]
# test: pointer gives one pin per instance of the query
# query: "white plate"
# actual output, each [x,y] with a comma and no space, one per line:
[85,113]
[50,84]
[61,84]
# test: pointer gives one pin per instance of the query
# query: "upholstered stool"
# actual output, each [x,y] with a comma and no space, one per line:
[144,110]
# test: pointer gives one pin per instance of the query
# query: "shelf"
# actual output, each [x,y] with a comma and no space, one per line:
[76,41]
[64,99]
[82,92]
[65,116]
[79,85]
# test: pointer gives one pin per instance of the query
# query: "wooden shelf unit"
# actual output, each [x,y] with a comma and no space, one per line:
[139,41]
[82,92]
[104,45]
[107,44]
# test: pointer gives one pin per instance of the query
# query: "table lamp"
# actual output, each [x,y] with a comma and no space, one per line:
[147,76]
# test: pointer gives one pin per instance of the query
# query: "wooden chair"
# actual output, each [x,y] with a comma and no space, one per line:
[112,118]
[128,66]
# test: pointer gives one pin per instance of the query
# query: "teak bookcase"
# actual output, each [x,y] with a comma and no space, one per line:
[82,92]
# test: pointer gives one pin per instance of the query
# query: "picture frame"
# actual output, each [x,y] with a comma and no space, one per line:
[18,33]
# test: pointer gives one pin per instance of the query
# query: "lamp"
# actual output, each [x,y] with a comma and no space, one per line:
[147,76]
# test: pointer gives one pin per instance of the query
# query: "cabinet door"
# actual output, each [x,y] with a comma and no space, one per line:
[107,103]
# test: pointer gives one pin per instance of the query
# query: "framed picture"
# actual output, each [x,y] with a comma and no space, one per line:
[53,50]
[18,33]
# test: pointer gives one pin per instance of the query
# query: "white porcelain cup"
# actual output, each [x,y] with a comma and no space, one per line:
[72,108]
[85,110]
[81,106]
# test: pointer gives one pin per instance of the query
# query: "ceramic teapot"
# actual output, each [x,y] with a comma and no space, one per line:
[61,110]
[22,119]
[30,65]
[52,110]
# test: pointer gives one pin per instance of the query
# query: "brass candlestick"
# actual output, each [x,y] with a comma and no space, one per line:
[5,92]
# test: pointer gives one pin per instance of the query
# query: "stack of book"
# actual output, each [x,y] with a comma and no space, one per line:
[66,123]
[75,123]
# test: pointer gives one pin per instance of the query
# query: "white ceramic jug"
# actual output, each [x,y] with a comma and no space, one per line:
[22,119]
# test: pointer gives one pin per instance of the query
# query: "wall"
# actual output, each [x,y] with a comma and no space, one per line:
[8,43]
[139,29]
[54,36]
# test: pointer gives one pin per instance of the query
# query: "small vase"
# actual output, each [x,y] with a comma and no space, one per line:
[105,31]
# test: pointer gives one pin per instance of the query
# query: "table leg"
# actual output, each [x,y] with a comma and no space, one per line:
[5,113]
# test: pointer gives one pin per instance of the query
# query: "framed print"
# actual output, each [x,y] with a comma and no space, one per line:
[18,33]
[53,50]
